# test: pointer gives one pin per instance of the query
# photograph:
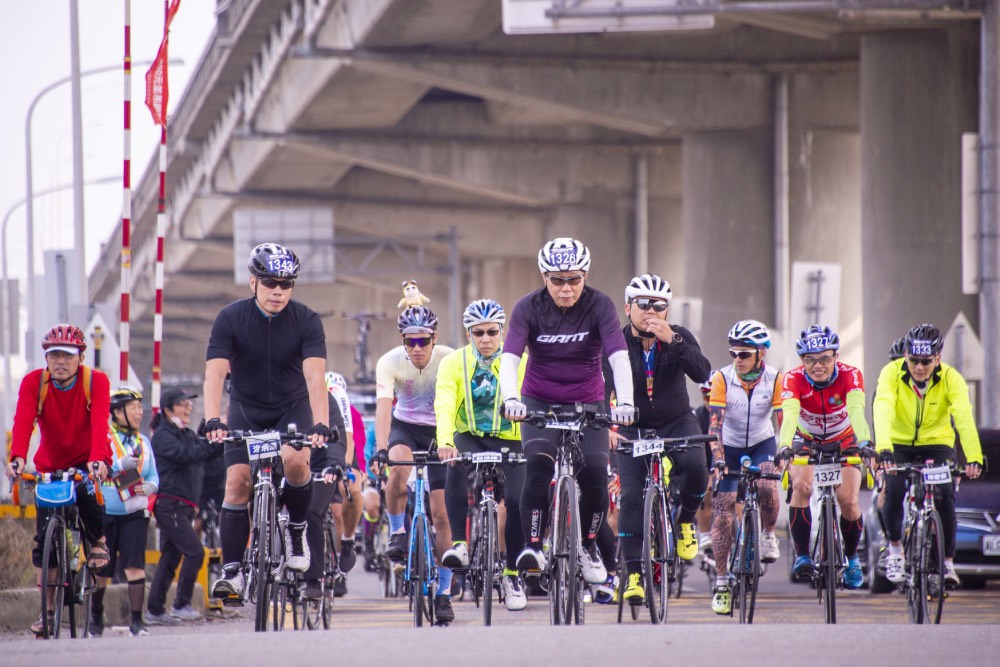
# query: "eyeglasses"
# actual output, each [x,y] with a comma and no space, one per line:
[741,354]
[825,360]
[559,282]
[183,404]
[646,304]
[271,283]
[920,361]
[479,333]
[422,341]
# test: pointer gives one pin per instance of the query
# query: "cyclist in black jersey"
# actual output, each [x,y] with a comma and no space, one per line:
[661,355]
[275,350]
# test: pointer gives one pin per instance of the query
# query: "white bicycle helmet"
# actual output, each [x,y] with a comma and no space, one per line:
[563,254]
[750,333]
[483,311]
[334,379]
[648,285]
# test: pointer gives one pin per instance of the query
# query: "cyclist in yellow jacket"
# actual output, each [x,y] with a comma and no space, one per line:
[468,408]
[916,401]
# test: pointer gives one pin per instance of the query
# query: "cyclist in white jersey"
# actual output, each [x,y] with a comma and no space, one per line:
[408,373]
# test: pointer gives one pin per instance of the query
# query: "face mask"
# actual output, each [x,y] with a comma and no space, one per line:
[177,421]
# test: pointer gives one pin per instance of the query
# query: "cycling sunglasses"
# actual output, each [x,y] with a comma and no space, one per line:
[271,283]
[559,282]
[741,354]
[646,304]
[422,341]
[920,361]
[479,333]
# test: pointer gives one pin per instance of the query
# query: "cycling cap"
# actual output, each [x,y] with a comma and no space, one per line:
[563,254]
[270,260]
[334,379]
[648,285]
[750,333]
[417,319]
[924,340]
[483,311]
[64,338]
[123,395]
[898,349]
[816,339]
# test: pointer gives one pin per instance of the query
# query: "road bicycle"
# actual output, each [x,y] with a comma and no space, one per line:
[263,562]
[828,558]
[485,572]
[390,582]
[314,613]
[660,563]
[421,574]
[745,567]
[923,540]
[68,579]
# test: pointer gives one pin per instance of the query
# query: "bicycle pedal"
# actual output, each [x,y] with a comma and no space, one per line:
[232,601]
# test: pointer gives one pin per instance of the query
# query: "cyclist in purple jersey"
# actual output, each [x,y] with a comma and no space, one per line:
[564,327]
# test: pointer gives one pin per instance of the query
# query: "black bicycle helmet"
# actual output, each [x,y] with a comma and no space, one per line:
[417,319]
[898,349]
[270,260]
[924,340]
[124,395]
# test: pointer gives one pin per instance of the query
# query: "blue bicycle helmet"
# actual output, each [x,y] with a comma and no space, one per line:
[816,339]
[417,319]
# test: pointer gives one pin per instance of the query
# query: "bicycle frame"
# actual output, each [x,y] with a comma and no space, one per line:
[745,566]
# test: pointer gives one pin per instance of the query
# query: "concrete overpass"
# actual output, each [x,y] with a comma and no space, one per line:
[788,132]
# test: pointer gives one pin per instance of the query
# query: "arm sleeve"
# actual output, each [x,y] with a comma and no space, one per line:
[509,386]
[448,397]
[149,473]
[884,406]
[337,422]
[961,412]
[695,364]
[856,413]
[790,408]
[621,370]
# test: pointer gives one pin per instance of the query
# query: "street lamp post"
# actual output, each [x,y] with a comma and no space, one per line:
[29,197]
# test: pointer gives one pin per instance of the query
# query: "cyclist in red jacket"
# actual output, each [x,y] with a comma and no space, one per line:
[71,404]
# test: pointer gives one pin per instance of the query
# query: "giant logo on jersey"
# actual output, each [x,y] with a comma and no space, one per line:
[562,338]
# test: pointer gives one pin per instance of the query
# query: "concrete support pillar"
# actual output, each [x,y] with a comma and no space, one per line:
[918,94]
[728,231]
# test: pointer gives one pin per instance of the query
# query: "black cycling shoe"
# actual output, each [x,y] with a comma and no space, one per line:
[396,549]
[443,613]
[312,589]
[340,586]
[348,558]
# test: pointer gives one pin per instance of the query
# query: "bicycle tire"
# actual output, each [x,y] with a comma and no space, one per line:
[830,533]
[491,556]
[417,575]
[932,586]
[263,511]
[54,548]
[654,553]
[84,585]
[563,589]
[622,578]
[911,582]
[750,559]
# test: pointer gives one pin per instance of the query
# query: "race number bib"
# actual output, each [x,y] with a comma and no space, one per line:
[938,475]
[487,457]
[263,446]
[827,474]
[645,447]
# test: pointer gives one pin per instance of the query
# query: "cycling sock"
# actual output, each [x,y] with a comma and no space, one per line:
[234,532]
[593,483]
[136,592]
[396,521]
[535,499]
[800,527]
[851,530]
[606,545]
[297,500]
[895,549]
[444,581]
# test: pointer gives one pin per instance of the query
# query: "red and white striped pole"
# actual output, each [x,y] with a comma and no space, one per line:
[127,199]
[161,230]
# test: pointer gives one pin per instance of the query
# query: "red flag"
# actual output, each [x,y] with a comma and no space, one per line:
[157,90]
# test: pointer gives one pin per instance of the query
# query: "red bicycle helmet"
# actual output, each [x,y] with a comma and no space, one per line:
[65,337]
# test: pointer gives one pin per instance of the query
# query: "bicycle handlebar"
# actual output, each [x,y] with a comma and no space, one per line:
[557,417]
[491,457]
[294,439]
[419,459]
[671,444]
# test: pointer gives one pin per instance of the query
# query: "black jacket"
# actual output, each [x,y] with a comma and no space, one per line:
[179,454]
[672,362]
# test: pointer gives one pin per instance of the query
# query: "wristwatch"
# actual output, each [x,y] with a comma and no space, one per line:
[677,338]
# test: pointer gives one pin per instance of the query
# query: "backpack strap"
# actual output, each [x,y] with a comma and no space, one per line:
[43,389]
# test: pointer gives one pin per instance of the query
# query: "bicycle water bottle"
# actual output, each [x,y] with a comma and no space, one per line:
[73,546]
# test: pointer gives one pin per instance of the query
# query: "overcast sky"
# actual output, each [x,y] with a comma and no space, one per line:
[34,50]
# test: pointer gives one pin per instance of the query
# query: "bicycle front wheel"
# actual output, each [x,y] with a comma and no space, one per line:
[54,557]
[830,530]
[420,577]
[490,553]
[266,536]
[931,573]
[749,564]
[565,549]
[655,552]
